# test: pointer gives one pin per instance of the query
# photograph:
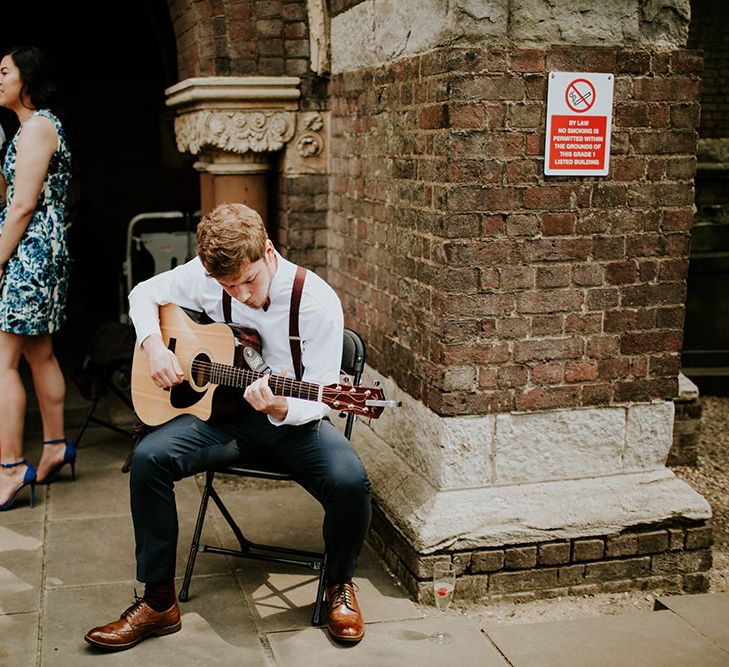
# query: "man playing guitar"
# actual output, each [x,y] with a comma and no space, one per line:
[234,255]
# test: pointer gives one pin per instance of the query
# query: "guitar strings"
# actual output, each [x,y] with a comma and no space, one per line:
[241,377]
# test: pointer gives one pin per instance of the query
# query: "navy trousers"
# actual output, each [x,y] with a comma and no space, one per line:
[317,455]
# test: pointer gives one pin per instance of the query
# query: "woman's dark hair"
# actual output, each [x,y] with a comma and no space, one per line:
[36,75]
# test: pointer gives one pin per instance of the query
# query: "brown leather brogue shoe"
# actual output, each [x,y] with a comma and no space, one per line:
[136,623]
[345,619]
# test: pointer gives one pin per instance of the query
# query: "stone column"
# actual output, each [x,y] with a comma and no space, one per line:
[235,125]
[530,325]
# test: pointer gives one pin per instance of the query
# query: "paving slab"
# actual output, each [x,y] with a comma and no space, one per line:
[647,638]
[98,548]
[21,566]
[19,643]
[391,644]
[282,598]
[102,448]
[707,613]
[282,515]
[97,492]
[216,628]
[22,512]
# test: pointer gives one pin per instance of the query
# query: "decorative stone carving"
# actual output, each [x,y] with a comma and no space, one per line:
[235,125]
[234,131]
[305,153]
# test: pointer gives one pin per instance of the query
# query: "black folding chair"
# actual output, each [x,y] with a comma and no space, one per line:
[107,368]
[353,361]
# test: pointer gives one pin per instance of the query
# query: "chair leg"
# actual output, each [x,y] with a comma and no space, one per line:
[185,590]
[316,616]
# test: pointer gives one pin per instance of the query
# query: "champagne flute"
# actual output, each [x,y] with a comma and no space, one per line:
[444,583]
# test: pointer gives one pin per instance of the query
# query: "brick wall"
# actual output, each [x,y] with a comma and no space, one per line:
[483,285]
[263,38]
[675,556]
[302,220]
[246,38]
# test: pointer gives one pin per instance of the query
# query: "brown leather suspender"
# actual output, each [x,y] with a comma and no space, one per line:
[294,337]
[227,308]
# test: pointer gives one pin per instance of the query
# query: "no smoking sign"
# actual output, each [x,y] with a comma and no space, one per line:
[579,115]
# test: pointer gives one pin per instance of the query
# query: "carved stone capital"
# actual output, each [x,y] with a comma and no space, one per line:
[234,131]
[235,124]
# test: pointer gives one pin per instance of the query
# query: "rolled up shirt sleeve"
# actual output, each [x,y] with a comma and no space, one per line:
[180,286]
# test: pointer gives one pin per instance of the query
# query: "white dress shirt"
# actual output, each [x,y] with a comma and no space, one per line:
[321,322]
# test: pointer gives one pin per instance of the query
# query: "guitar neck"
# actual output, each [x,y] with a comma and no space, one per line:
[231,376]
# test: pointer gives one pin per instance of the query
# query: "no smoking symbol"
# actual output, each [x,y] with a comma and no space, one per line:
[580,95]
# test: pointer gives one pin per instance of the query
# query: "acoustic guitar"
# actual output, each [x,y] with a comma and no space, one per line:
[211,356]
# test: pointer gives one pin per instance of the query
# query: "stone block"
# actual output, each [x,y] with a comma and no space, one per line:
[681,562]
[520,558]
[653,542]
[676,539]
[530,580]
[472,587]
[621,545]
[628,568]
[487,561]
[699,538]
[648,436]
[555,553]
[571,575]
[697,582]
[558,444]
[589,549]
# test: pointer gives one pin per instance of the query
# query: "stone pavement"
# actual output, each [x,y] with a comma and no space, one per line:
[68,564]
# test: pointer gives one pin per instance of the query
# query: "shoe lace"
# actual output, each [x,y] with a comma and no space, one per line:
[344,595]
[135,607]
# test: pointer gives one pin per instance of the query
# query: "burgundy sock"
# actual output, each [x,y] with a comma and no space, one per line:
[160,596]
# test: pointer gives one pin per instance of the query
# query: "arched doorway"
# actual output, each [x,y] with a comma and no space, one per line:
[112,69]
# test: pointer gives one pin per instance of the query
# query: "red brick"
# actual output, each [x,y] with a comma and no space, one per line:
[545,398]
[666,88]
[527,60]
[494,87]
[558,224]
[434,117]
[652,341]
[547,349]
[551,373]
[581,371]
[466,116]
[619,273]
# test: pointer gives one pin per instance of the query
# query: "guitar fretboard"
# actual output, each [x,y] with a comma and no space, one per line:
[231,376]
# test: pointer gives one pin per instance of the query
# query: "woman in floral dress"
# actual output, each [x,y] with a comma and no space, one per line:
[33,271]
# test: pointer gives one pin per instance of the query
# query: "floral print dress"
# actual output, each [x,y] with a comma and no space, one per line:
[34,285]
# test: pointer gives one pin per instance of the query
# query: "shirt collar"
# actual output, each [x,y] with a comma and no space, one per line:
[282,278]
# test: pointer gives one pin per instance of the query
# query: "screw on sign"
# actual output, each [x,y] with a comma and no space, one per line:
[580,95]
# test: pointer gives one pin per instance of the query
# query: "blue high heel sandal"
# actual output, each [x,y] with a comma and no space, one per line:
[69,456]
[28,479]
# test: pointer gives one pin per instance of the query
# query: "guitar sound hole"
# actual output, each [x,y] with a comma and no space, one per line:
[200,370]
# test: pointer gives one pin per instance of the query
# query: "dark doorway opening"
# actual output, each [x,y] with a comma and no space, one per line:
[112,66]
[706,331]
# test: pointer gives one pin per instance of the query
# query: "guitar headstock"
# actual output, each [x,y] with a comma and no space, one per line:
[363,401]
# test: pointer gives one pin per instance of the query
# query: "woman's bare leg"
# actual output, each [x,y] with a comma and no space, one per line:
[12,413]
[50,388]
